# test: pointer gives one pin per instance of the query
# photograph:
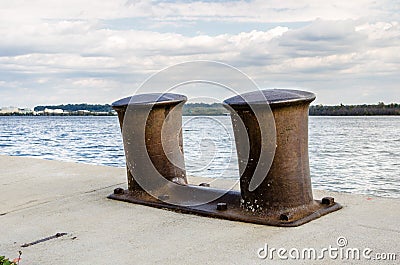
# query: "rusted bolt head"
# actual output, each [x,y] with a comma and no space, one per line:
[284,217]
[204,184]
[328,200]
[222,206]
[119,191]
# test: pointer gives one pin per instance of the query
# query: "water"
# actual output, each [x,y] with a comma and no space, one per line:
[86,139]
[349,154]
[356,154]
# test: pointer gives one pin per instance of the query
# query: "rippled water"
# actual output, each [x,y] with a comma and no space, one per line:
[87,139]
[349,154]
[356,154]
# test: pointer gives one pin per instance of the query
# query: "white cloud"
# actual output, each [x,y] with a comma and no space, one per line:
[258,10]
[64,47]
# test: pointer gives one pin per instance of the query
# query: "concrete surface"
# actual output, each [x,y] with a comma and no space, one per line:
[40,198]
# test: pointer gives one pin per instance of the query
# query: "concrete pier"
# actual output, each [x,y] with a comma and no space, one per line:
[40,198]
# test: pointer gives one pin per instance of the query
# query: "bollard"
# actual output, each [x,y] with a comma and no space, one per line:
[151,128]
[286,188]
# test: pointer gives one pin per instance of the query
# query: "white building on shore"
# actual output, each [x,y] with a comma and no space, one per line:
[15,110]
[53,111]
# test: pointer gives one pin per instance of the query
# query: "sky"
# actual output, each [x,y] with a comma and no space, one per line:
[90,51]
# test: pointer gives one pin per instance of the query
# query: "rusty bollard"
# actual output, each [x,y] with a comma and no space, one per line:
[272,147]
[151,128]
[286,188]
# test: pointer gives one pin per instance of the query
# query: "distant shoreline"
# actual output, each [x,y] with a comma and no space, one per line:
[215,109]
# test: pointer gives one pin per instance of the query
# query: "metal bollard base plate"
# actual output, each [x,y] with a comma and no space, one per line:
[228,207]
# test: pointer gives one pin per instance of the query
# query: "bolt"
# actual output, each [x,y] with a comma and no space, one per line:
[119,191]
[284,217]
[328,200]
[222,206]
[204,184]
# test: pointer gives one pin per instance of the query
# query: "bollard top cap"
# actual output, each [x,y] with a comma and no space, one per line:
[149,100]
[275,98]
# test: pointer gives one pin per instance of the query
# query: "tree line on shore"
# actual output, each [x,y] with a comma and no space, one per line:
[355,110]
[77,107]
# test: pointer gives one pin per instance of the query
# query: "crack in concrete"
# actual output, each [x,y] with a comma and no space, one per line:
[381,229]
[43,240]
[56,199]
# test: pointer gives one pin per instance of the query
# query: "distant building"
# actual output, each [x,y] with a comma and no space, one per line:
[49,111]
[9,110]
[58,111]
[83,112]
[15,110]
[25,111]
[53,111]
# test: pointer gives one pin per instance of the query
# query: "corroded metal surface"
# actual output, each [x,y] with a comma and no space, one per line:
[228,207]
[282,198]
[286,188]
[143,138]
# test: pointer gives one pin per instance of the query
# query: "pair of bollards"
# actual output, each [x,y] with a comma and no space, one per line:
[275,183]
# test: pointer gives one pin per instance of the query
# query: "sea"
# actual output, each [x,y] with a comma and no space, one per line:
[359,155]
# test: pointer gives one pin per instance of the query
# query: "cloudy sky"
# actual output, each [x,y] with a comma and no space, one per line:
[54,52]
